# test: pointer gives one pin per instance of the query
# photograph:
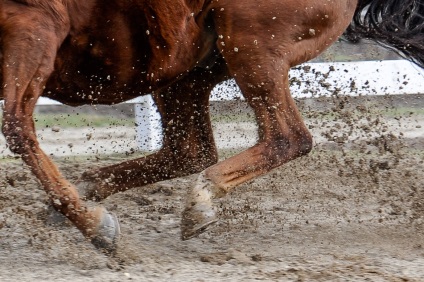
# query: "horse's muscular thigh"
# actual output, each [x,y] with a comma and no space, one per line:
[293,30]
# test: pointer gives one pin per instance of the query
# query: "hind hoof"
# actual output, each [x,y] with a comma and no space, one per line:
[196,219]
[107,233]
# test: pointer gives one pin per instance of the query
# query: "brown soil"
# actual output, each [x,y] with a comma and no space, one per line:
[353,210]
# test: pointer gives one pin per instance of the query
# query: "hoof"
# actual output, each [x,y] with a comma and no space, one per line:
[107,233]
[196,219]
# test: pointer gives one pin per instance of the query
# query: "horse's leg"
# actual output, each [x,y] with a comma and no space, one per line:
[29,50]
[259,58]
[188,144]
[282,137]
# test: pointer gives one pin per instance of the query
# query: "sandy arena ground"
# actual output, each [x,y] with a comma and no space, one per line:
[353,210]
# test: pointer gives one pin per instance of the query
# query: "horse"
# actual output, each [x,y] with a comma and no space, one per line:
[107,52]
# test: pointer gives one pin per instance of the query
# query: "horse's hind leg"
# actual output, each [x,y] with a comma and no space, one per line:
[259,58]
[188,144]
[282,137]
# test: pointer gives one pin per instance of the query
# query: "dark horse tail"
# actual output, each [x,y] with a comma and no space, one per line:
[395,24]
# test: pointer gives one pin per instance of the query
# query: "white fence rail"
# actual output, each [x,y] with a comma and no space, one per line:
[389,77]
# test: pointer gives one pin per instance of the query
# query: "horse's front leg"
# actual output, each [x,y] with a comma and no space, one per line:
[29,51]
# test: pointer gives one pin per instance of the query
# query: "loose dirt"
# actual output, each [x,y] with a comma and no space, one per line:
[352,210]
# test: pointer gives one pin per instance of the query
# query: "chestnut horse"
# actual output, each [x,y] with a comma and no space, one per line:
[107,52]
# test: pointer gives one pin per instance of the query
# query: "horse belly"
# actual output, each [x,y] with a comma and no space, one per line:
[96,75]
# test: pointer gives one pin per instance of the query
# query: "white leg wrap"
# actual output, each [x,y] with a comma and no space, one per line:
[199,212]
[204,191]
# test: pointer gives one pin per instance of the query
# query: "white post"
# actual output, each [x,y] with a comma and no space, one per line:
[149,128]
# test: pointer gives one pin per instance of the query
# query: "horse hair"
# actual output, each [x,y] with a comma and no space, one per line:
[395,24]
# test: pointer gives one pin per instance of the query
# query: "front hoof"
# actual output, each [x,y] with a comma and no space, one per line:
[196,219]
[107,233]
